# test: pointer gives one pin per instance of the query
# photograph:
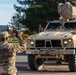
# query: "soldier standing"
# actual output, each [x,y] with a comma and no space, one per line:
[8,53]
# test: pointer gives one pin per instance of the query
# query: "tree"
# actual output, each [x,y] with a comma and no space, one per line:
[37,12]
[16,21]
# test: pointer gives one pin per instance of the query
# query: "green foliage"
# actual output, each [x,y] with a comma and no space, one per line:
[36,12]
[39,12]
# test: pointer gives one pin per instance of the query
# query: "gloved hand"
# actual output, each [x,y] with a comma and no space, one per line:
[21,41]
[18,34]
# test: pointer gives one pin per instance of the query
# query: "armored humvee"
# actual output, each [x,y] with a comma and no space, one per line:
[56,43]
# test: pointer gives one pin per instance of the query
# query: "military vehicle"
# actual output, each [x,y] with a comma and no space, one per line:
[57,42]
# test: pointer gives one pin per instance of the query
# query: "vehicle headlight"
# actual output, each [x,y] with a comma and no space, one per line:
[65,42]
[30,41]
[68,42]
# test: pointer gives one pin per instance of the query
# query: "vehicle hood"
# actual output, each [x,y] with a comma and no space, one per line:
[54,35]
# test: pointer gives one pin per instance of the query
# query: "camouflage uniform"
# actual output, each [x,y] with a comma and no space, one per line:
[8,53]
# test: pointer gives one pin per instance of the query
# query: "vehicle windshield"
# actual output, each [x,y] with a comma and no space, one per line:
[68,25]
[71,25]
[53,26]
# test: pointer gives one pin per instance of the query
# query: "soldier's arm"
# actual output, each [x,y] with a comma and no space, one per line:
[22,46]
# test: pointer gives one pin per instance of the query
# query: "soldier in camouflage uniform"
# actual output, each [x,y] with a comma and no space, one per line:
[8,53]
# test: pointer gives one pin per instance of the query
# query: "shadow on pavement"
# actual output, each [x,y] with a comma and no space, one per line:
[23,67]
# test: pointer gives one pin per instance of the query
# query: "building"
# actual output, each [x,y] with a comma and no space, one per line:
[4,28]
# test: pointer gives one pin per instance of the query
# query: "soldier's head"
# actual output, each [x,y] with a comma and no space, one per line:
[4,36]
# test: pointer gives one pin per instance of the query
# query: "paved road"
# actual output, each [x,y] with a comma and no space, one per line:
[49,68]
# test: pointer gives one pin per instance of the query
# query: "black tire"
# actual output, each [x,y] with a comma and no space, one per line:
[33,63]
[72,63]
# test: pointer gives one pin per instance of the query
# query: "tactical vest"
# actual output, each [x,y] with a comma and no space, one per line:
[5,54]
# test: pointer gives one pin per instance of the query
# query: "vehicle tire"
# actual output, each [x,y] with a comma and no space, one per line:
[72,63]
[35,64]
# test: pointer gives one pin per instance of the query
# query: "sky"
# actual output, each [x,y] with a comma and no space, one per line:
[6,11]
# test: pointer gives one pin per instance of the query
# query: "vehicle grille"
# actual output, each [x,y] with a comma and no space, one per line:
[40,43]
[50,43]
[56,43]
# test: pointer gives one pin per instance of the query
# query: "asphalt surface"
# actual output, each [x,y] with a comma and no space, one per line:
[50,68]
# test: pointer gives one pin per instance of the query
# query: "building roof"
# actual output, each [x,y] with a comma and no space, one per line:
[3,28]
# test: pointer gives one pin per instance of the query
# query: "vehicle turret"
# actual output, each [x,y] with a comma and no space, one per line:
[67,11]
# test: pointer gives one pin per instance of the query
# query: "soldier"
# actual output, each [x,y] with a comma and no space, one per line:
[8,53]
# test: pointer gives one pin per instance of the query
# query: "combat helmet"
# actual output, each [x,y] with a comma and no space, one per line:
[4,34]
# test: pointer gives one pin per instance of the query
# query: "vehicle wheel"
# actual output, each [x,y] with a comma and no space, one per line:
[35,64]
[72,63]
